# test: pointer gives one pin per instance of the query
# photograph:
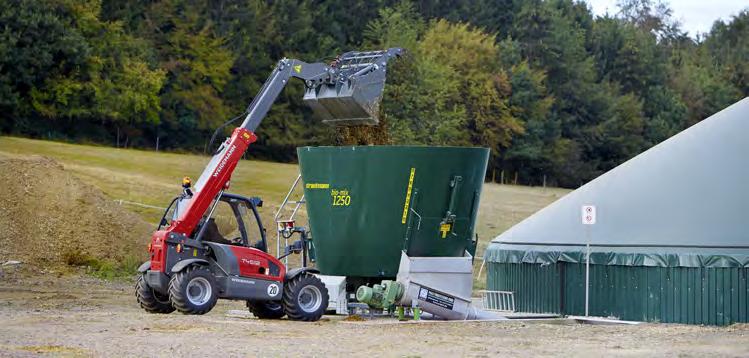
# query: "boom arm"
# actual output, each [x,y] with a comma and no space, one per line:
[311,73]
[344,92]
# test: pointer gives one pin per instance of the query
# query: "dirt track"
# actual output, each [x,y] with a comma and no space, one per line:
[82,316]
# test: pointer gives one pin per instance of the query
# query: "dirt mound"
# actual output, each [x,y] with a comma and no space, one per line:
[48,217]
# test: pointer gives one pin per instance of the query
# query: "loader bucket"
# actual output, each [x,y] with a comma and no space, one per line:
[354,99]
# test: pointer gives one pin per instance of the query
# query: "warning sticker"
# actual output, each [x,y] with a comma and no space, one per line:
[436,298]
[445,229]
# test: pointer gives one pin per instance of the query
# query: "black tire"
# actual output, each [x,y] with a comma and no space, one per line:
[150,300]
[192,290]
[266,309]
[305,298]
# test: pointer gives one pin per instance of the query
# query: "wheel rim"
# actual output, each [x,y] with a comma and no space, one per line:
[310,298]
[199,291]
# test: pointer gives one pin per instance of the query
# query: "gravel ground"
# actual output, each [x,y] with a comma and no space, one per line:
[74,315]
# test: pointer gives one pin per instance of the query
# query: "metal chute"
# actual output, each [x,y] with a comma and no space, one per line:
[354,97]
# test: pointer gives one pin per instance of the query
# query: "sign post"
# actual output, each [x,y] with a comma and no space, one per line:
[588,218]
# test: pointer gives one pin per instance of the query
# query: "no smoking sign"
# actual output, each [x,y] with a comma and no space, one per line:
[589,214]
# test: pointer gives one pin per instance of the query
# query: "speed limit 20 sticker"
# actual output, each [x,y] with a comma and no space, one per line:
[273,290]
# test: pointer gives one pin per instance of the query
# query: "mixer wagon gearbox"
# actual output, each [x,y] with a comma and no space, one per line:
[382,295]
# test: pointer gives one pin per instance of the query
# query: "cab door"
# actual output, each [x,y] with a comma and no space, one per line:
[252,259]
[247,213]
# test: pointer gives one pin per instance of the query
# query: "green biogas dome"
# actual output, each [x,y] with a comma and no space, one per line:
[366,204]
[670,244]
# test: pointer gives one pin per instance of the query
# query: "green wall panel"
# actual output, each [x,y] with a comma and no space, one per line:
[695,295]
[543,296]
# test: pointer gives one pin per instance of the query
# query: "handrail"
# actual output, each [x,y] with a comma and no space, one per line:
[298,204]
[286,201]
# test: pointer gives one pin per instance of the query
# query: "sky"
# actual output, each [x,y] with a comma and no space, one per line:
[695,16]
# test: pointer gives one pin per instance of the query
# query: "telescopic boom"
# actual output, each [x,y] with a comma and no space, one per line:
[347,91]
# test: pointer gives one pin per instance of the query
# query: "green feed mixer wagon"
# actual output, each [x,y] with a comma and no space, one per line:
[366,204]
[377,211]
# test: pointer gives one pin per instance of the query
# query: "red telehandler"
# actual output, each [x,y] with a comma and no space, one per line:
[193,263]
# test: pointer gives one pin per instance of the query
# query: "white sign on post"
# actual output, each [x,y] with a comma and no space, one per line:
[589,218]
[589,214]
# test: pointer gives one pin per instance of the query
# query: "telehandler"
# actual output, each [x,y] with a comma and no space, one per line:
[192,261]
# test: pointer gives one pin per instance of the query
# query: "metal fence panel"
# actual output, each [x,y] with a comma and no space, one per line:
[695,295]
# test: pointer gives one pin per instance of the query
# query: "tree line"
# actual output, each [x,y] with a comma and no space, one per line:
[553,90]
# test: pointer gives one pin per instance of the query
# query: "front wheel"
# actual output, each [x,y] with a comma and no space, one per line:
[305,298]
[150,300]
[192,290]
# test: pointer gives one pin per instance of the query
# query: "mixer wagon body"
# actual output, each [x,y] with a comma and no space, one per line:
[367,204]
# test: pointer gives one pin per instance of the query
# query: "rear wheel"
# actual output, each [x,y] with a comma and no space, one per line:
[150,300]
[266,309]
[305,298]
[192,290]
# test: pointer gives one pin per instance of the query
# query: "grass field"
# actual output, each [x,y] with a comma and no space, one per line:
[154,178]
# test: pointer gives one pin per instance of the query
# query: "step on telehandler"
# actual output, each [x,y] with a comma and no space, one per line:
[211,244]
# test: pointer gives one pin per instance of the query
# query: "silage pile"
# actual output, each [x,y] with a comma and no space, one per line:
[363,134]
[49,218]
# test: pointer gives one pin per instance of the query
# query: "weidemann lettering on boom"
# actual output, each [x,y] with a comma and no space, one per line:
[223,161]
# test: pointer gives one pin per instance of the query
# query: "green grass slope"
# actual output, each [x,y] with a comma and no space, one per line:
[154,178]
